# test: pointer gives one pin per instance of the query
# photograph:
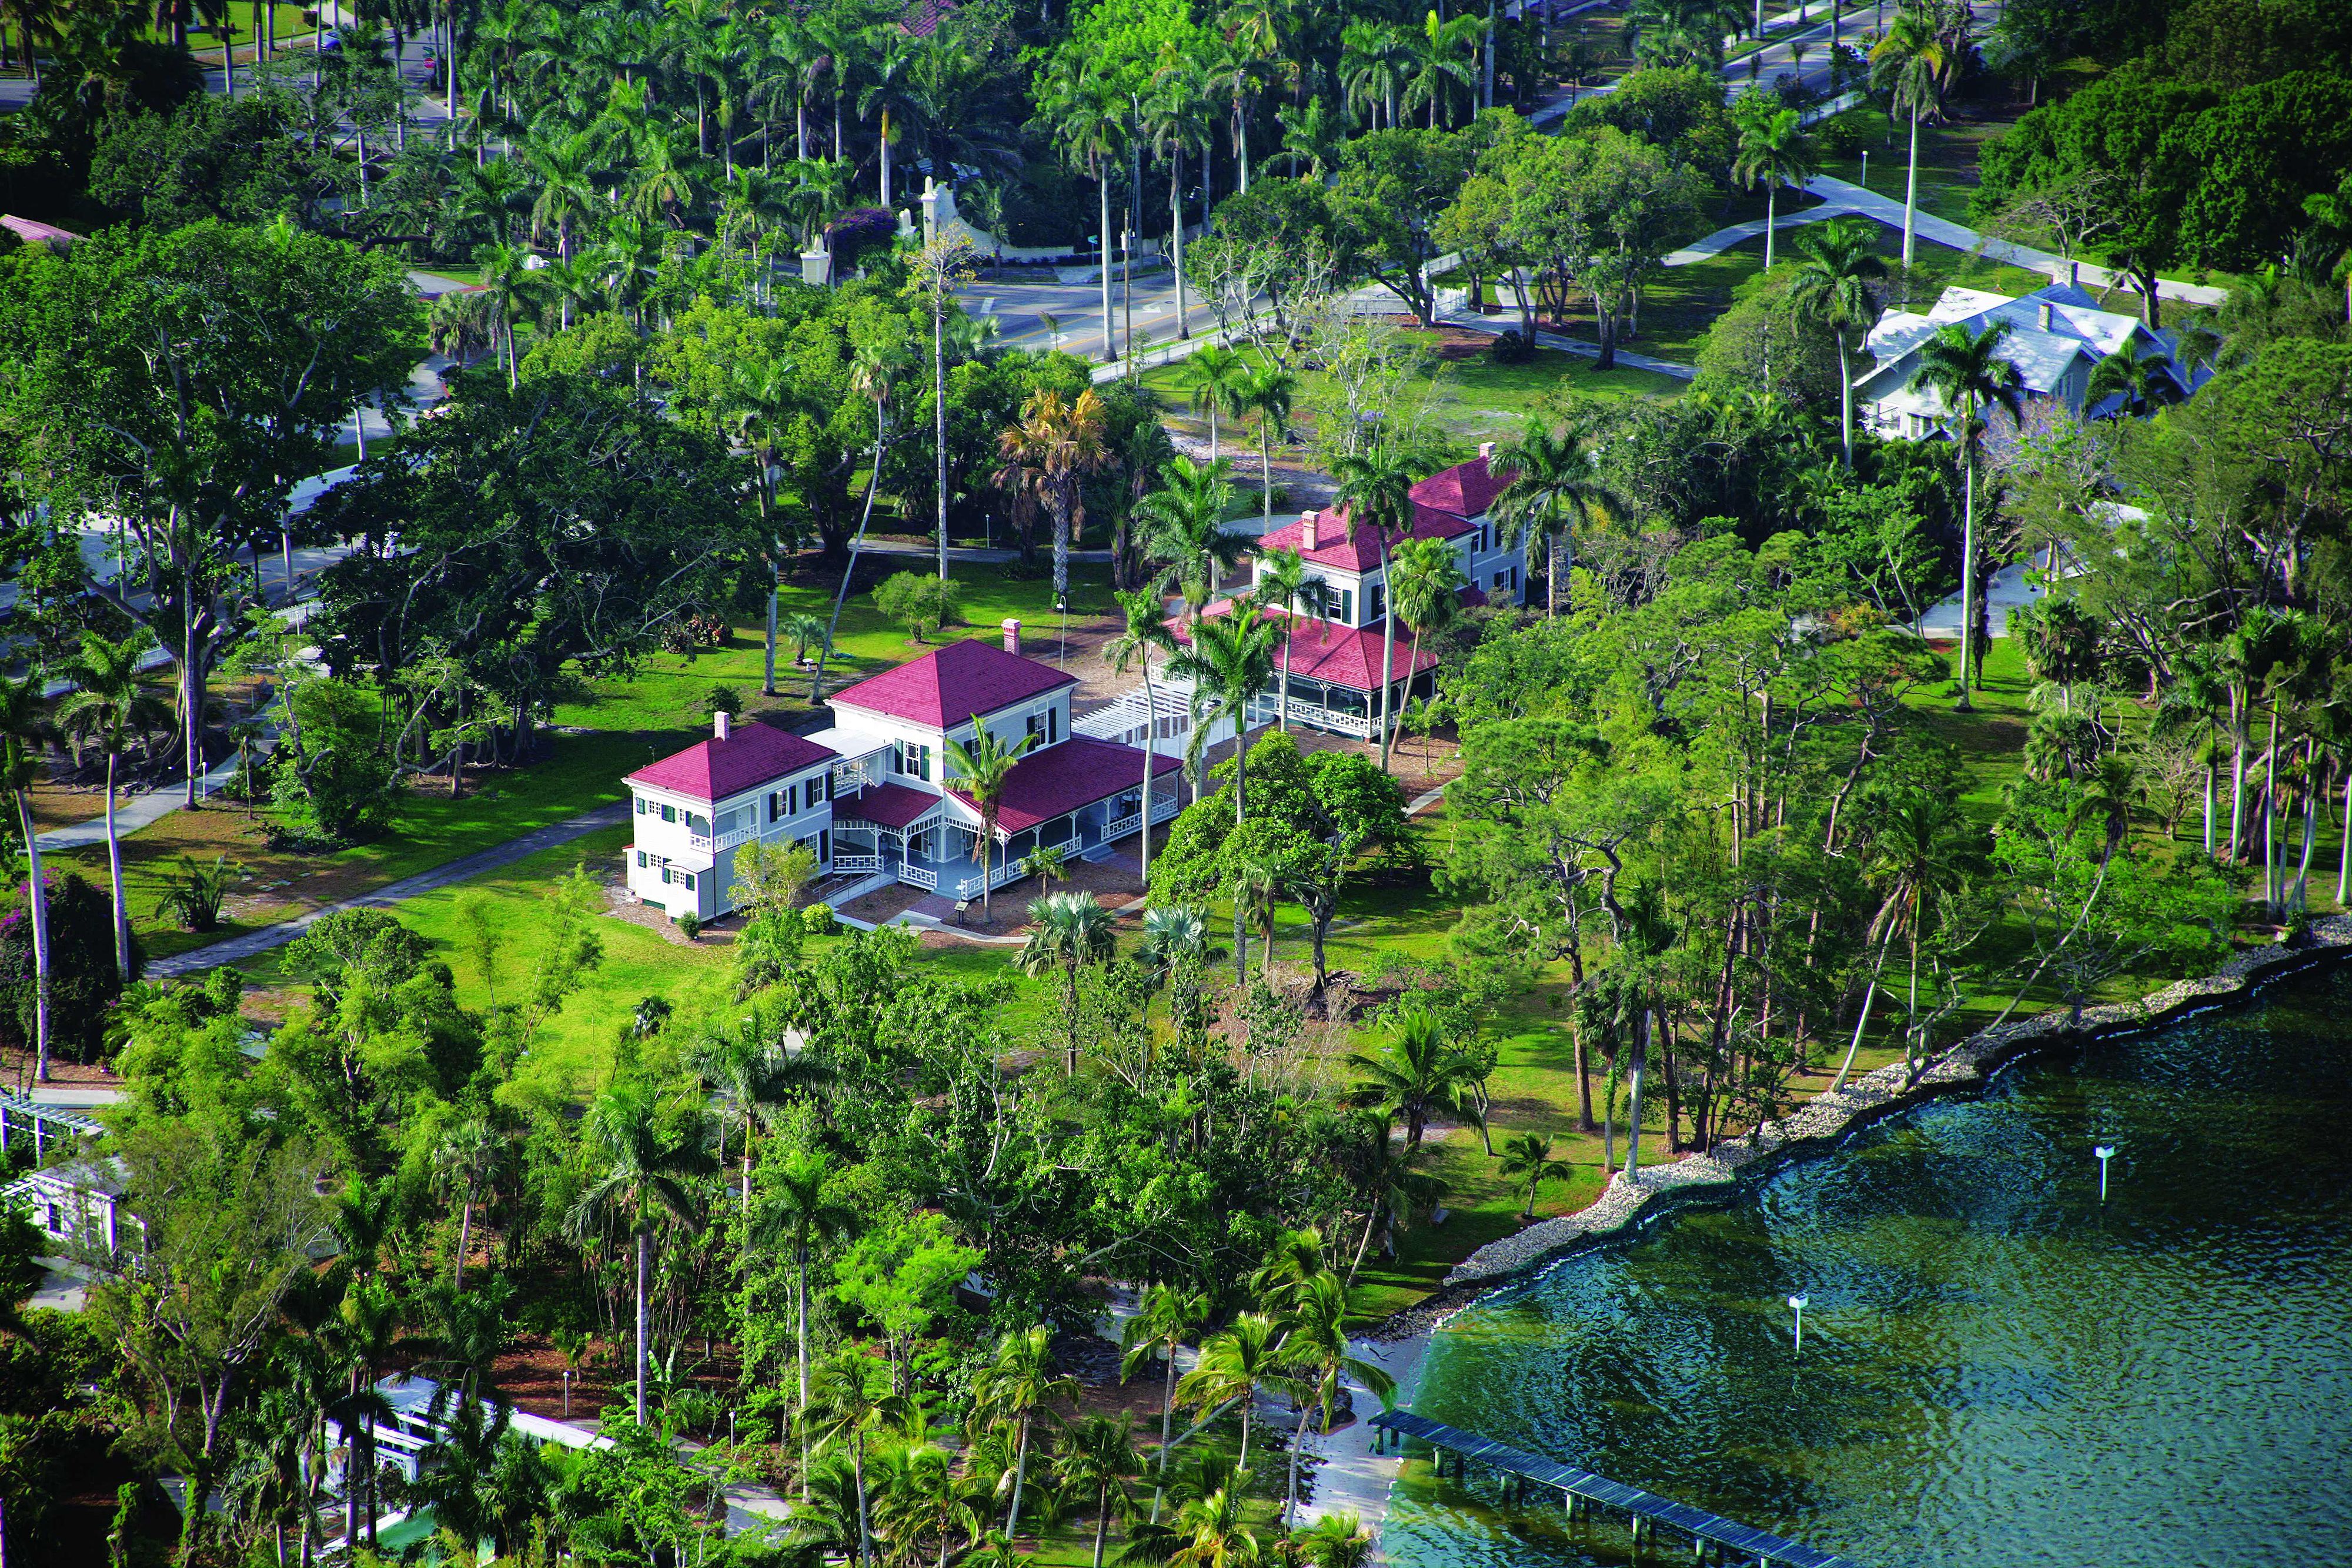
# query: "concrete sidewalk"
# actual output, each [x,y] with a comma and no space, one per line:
[140,811]
[1722,240]
[498,855]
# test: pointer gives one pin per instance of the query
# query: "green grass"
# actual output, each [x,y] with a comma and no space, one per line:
[666,693]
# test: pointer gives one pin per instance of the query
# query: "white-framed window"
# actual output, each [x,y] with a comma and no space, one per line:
[1376,602]
[642,805]
[689,880]
[1343,607]
[670,813]
[641,860]
[912,758]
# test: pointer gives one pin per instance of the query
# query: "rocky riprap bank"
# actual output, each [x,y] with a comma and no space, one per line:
[1827,1118]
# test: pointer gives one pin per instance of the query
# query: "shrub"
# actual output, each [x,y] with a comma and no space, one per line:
[819,920]
[1511,347]
[855,235]
[193,898]
[1843,135]
[691,635]
[690,924]
[336,786]
[82,979]
[919,601]
[723,699]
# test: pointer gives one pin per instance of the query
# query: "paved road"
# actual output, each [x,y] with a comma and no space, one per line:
[237,948]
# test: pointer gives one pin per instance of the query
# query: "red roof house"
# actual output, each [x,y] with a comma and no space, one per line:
[731,761]
[948,685]
[1061,779]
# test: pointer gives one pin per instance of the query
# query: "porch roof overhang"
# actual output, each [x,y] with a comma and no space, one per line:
[893,807]
[1061,779]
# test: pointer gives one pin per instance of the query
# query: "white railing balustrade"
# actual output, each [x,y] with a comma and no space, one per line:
[842,863]
[1120,827]
[711,844]
[1165,806]
[919,877]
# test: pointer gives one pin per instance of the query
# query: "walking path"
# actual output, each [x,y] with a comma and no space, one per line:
[1626,358]
[255,942]
[1722,240]
[1888,209]
[140,811]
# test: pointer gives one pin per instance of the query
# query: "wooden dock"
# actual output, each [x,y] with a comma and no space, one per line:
[1582,1491]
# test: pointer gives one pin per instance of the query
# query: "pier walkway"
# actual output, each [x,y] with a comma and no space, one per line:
[1582,1491]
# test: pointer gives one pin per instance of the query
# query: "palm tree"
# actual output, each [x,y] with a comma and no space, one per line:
[1911,63]
[511,285]
[1048,455]
[1529,1155]
[1214,375]
[980,772]
[1229,666]
[849,1408]
[1068,932]
[1018,1386]
[1255,878]
[1972,376]
[1097,1457]
[1417,1073]
[1144,634]
[797,1206]
[1375,490]
[1773,149]
[1233,1366]
[1209,1531]
[1266,390]
[1087,106]
[1315,1342]
[1168,1315]
[1374,58]
[109,703]
[1285,587]
[20,736]
[1184,525]
[1836,261]
[1176,117]
[1440,57]
[1426,584]
[1922,852]
[870,376]
[643,1169]
[2144,381]
[1555,476]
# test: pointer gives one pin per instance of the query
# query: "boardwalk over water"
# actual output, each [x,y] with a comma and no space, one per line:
[1582,1489]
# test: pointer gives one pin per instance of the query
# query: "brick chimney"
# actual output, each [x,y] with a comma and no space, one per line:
[1487,449]
[2044,316]
[720,725]
[2073,273]
[1013,637]
[1307,538]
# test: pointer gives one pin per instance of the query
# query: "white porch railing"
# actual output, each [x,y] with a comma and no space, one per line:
[1164,806]
[842,863]
[1329,718]
[919,877]
[1119,827]
[715,844]
[998,876]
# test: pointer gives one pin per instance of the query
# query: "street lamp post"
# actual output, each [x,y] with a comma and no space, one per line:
[2106,1152]
[1796,1305]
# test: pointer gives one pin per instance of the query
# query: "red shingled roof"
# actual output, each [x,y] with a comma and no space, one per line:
[1443,505]
[887,805]
[1061,779]
[1349,656]
[713,769]
[947,687]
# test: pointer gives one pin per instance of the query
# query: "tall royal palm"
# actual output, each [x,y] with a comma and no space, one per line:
[1970,372]
[1911,63]
[1143,633]
[1184,525]
[1555,479]
[1232,1367]
[1088,111]
[1214,375]
[1285,587]
[1441,57]
[980,769]
[20,739]
[1229,666]
[1266,390]
[1922,852]
[1169,1314]
[1316,1346]
[798,1208]
[1426,584]
[1774,151]
[1376,493]
[1068,932]
[643,1163]
[1835,264]
[1019,1387]
[1176,121]
[107,705]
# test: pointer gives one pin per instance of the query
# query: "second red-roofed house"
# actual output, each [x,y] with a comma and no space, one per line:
[1335,654]
[875,794]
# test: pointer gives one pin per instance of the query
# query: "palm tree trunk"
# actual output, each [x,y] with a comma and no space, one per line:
[1241,932]
[1019,1478]
[114,870]
[39,895]
[1911,189]
[1102,1521]
[1151,756]
[2269,815]
[1634,1110]
[1176,232]
[1967,568]
[1845,401]
[940,413]
[767,663]
[644,1311]
[1771,218]
[1102,187]
[1388,645]
[800,1348]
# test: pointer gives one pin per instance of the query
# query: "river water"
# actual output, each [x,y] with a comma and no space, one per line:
[1999,1370]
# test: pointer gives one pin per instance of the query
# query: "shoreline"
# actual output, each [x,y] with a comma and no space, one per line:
[1401,1342]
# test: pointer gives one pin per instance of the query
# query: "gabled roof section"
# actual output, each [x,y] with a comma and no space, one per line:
[1061,779]
[948,685]
[755,754]
[1443,507]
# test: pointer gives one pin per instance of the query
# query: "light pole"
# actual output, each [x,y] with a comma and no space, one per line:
[2106,1152]
[1865,168]
[1796,1305]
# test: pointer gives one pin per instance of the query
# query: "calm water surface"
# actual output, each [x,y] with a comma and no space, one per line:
[1998,1370]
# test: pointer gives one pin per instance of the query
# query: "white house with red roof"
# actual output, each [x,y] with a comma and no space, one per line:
[1335,659]
[875,794]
